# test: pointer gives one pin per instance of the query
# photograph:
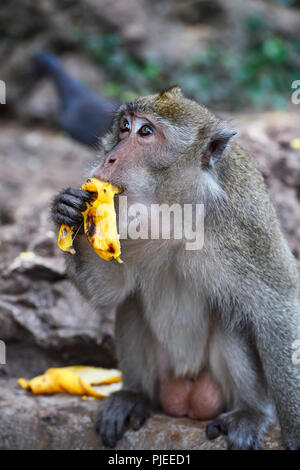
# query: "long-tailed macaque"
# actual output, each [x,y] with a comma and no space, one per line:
[206,333]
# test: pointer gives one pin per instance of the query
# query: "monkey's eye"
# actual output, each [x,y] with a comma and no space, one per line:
[145,130]
[125,126]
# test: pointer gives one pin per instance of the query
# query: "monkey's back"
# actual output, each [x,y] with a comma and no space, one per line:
[253,238]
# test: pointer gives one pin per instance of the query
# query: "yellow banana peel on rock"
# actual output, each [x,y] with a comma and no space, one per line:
[89,381]
[100,226]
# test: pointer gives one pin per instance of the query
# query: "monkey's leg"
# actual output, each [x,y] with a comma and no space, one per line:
[130,407]
[236,366]
[276,332]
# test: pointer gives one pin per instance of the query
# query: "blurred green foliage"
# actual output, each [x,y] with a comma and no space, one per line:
[128,76]
[256,73]
[288,3]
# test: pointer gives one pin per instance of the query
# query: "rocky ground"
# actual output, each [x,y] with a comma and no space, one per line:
[45,323]
[67,422]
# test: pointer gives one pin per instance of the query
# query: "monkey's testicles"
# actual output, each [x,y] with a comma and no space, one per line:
[100,226]
[199,399]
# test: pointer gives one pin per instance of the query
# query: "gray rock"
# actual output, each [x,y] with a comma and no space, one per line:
[67,422]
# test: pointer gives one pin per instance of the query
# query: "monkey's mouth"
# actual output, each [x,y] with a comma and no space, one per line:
[123,189]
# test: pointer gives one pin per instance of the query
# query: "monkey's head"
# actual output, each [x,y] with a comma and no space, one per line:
[163,148]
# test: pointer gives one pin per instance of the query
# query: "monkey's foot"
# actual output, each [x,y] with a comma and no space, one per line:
[244,429]
[292,440]
[121,410]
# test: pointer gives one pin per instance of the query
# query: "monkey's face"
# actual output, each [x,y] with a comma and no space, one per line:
[140,149]
[163,149]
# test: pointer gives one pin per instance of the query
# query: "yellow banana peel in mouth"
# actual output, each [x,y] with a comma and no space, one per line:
[100,224]
[89,381]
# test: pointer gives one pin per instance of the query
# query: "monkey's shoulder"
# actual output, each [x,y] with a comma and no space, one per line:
[242,165]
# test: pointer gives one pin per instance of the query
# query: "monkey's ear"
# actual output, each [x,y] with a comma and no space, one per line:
[216,147]
[173,91]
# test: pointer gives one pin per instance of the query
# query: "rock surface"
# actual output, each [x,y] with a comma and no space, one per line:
[67,422]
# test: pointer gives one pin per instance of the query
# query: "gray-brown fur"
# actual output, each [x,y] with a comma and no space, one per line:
[232,307]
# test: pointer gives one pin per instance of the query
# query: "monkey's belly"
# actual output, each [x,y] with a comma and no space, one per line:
[199,399]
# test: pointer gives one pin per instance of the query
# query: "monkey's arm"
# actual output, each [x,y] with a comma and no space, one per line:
[104,284]
[107,285]
[137,360]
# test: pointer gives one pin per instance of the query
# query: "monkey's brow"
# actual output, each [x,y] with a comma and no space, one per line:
[131,108]
[138,115]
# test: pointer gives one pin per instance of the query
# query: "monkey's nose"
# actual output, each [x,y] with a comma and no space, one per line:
[103,172]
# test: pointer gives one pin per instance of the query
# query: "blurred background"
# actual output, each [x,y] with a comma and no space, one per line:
[67,64]
[230,55]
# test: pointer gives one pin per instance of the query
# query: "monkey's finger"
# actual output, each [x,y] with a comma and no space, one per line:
[215,428]
[120,427]
[69,212]
[79,193]
[73,201]
[139,415]
[212,431]
[107,434]
[111,431]
[110,426]
[63,219]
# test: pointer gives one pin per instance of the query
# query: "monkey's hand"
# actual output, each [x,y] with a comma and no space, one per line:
[68,205]
[121,410]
